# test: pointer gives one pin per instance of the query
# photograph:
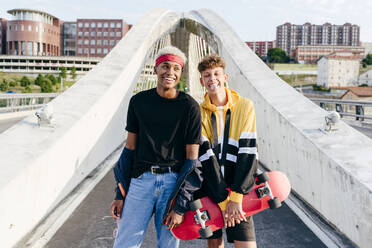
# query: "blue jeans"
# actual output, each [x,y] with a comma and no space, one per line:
[146,192]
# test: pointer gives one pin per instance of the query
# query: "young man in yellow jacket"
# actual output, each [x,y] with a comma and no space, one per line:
[228,152]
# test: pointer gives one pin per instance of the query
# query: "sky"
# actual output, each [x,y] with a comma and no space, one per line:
[252,20]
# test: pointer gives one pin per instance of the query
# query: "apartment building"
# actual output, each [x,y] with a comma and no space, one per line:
[289,36]
[69,39]
[338,69]
[2,36]
[260,47]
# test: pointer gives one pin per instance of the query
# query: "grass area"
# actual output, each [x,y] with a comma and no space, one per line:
[295,67]
[300,79]
[363,70]
[15,85]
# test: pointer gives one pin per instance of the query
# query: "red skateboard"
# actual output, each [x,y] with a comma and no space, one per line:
[205,217]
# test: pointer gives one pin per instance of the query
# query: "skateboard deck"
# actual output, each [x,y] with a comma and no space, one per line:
[205,216]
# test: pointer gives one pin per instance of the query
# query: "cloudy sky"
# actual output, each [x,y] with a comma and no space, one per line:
[252,20]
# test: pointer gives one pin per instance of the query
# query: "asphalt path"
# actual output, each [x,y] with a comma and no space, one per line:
[6,124]
[91,226]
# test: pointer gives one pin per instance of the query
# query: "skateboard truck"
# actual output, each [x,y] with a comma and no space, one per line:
[265,190]
[201,217]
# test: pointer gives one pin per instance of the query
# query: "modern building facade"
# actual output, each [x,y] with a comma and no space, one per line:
[96,37]
[338,69]
[33,33]
[310,54]
[260,47]
[69,39]
[289,36]
[34,65]
[2,36]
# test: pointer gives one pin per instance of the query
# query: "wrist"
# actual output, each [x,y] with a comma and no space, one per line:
[236,197]
[223,204]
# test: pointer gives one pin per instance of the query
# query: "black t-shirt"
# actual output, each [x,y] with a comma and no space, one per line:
[163,127]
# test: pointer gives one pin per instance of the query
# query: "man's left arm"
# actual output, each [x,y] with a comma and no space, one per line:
[193,180]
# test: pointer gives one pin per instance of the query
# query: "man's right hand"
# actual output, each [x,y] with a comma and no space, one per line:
[116,208]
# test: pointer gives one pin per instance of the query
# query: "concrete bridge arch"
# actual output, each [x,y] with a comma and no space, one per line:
[42,165]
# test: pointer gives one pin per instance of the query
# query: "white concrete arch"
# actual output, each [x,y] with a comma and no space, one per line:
[40,166]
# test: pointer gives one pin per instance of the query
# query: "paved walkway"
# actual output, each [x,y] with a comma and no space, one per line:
[91,226]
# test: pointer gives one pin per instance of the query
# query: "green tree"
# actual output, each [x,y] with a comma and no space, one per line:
[52,79]
[27,90]
[368,59]
[13,84]
[277,55]
[39,80]
[4,86]
[46,86]
[25,81]
[73,72]
[63,72]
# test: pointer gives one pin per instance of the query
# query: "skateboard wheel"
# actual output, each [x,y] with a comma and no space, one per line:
[195,205]
[206,232]
[275,203]
[263,177]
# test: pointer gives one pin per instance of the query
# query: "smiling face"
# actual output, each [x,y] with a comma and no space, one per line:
[169,73]
[214,79]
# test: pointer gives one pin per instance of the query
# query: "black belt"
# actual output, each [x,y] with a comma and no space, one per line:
[156,169]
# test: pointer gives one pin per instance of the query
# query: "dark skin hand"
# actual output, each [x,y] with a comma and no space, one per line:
[173,219]
[116,208]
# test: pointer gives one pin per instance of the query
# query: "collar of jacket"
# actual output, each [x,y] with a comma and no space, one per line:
[232,98]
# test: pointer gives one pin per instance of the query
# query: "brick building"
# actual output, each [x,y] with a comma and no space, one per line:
[310,54]
[260,47]
[37,33]
[96,37]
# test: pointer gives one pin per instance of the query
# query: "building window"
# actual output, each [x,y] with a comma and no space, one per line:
[92,51]
[112,25]
[86,24]
[93,34]
[86,42]
[105,50]
[105,34]
[80,25]
[37,28]
[93,42]
[29,28]
[86,33]
[93,24]
[22,28]
[112,34]
[118,25]
[86,50]
[105,42]
[112,42]
[99,50]
[80,50]
[99,42]
[80,33]
[99,25]
[105,25]
[99,34]
[80,42]
[118,34]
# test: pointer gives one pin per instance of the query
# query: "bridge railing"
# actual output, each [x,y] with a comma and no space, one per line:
[362,109]
[19,102]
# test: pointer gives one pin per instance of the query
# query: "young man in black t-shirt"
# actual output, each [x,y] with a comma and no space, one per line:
[160,158]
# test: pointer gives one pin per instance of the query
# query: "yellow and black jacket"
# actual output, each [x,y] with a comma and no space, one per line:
[228,162]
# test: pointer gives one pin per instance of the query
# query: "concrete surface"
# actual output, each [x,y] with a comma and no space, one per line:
[91,226]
